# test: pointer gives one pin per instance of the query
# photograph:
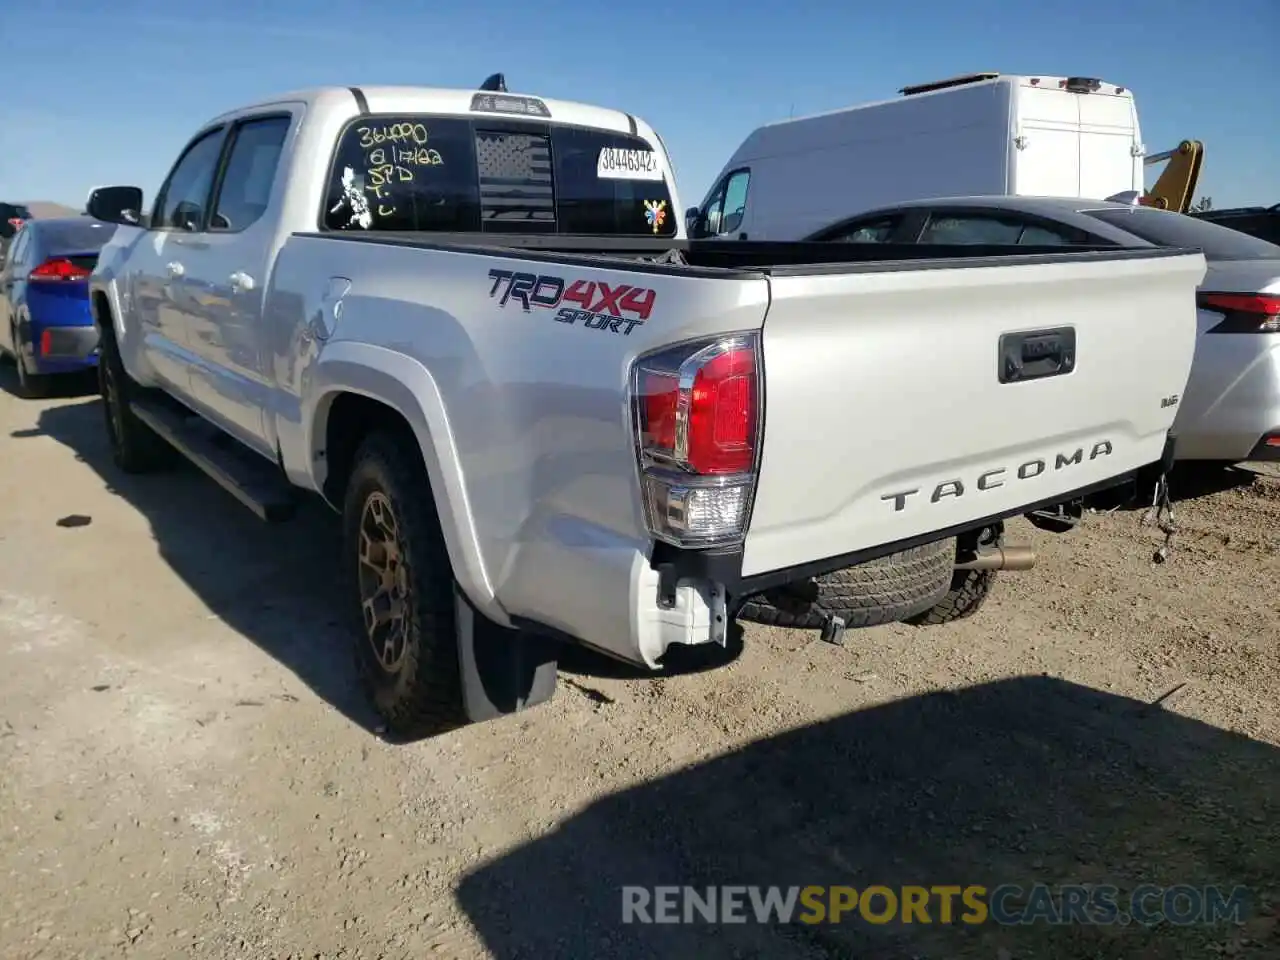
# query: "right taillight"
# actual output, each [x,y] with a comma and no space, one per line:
[1243,312]
[697,421]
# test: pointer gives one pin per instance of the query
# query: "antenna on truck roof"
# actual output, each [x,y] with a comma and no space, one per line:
[496,82]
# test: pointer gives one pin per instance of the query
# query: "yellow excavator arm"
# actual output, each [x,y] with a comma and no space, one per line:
[1177,183]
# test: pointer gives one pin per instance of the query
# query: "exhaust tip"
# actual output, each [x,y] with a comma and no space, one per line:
[1014,558]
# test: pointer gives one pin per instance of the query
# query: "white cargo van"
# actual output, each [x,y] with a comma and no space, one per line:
[974,135]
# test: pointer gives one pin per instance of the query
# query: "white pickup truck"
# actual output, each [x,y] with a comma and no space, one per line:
[470,322]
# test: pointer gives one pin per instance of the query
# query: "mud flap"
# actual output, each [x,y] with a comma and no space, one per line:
[503,671]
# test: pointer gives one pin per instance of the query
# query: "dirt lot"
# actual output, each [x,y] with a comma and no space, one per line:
[188,771]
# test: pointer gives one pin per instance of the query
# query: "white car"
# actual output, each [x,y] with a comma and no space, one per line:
[1230,410]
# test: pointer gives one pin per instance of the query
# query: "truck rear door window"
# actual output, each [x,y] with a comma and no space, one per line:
[457,175]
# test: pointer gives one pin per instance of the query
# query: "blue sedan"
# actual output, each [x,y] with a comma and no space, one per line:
[45,323]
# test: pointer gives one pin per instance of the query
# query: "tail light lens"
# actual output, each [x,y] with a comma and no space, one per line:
[1243,312]
[697,420]
[58,269]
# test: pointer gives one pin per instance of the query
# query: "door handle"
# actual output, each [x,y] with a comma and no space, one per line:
[1037,353]
[174,269]
[240,281]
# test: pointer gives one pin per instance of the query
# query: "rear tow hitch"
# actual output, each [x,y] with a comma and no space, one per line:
[1061,518]
[999,558]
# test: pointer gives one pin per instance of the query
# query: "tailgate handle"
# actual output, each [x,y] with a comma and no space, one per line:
[1034,354]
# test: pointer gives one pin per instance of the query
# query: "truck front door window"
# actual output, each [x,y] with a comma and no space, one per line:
[186,194]
[251,170]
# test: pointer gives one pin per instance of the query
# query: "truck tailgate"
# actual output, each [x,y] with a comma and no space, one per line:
[885,413]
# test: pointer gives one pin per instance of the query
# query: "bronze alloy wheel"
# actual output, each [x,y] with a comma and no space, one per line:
[402,589]
[385,594]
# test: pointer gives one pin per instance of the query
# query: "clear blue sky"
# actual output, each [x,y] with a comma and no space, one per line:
[107,91]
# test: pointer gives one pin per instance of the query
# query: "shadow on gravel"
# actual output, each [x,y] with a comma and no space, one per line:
[1015,782]
[1192,480]
[60,387]
[281,591]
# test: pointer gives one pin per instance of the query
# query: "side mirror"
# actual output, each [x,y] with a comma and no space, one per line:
[691,218]
[116,205]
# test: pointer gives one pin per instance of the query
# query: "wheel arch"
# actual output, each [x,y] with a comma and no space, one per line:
[358,389]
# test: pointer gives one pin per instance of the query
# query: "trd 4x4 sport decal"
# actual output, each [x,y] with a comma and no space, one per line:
[618,309]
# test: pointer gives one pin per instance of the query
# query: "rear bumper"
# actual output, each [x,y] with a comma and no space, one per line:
[1268,448]
[1232,400]
[725,566]
[62,349]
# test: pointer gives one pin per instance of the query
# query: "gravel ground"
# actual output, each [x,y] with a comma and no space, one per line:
[188,771]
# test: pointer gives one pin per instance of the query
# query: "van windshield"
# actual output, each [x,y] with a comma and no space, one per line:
[415,173]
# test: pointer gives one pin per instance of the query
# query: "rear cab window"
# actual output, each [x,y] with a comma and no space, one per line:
[420,173]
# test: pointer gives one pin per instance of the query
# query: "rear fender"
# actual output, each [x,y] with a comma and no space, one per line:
[406,386]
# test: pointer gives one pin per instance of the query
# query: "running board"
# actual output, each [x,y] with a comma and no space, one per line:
[253,481]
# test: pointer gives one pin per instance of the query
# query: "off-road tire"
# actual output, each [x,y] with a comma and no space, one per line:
[886,590]
[969,588]
[422,696]
[965,597]
[135,447]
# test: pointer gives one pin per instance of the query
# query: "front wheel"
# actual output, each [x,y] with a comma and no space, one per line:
[402,587]
[135,447]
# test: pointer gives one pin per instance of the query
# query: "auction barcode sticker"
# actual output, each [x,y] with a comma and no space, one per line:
[616,163]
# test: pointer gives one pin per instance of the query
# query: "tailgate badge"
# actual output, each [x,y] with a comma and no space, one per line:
[997,477]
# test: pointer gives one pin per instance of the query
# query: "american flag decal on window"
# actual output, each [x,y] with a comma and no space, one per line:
[515,178]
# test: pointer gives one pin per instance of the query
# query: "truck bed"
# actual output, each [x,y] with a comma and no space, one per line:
[746,257]
[888,415]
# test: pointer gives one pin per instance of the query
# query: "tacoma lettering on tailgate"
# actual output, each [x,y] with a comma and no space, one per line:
[991,479]
[618,309]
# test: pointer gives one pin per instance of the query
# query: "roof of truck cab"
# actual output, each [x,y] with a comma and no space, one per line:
[451,100]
